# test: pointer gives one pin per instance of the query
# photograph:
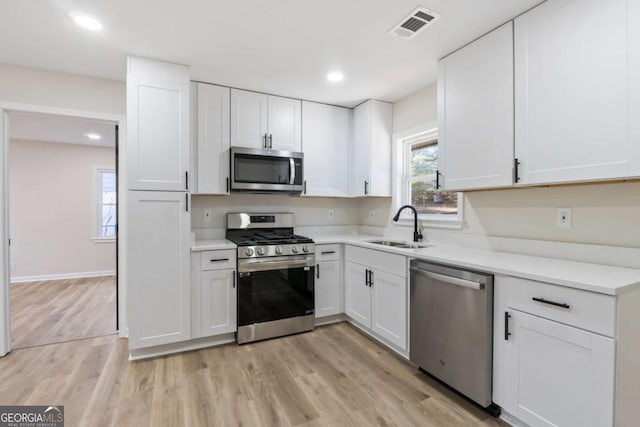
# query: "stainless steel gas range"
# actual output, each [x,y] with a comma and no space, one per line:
[275,276]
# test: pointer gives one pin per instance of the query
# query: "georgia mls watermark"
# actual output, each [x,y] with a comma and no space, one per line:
[32,416]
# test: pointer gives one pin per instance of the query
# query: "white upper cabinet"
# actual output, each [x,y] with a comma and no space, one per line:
[370,156]
[211,107]
[576,89]
[265,121]
[284,123]
[157,125]
[248,119]
[326,132]
[475,111]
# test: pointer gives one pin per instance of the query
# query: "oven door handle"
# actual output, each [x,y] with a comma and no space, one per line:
[274,265]
[292,170]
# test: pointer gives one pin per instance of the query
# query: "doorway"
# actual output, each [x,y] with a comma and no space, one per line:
[62,205]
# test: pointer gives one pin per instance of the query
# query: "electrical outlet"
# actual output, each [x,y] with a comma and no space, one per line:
[331,213]
[372,214]
[207,215]
[564,218]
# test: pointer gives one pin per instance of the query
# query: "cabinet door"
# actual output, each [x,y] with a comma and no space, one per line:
[157,125]
[558,375]
[284,123]
[634,87]
[248,119]
[159,235]
[326,134]
[357,294]
[219,298]
[328,287]
[359,157]
[380,149]
[212,138]
[389,318]
[476,141]
[571,91]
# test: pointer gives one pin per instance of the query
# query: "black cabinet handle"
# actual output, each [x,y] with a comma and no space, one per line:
[186,180]
[437,179]
[317,271]
[327,252]
[366,277]
[219,260]
[227,184]
[186,202]
[506,326]
[270,141]
[516,163]
[556,304]
[304,187]
[371,278]
[264,144]
[234,279]
[366,188]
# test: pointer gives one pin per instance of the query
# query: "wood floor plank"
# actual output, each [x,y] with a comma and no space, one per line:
[54,311]
[333,376]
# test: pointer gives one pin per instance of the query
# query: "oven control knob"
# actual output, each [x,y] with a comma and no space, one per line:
[249,251]
[294,249]
[260,251]
[278,250]
[305,248]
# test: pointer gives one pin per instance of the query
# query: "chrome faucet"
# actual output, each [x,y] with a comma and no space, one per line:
[417,234]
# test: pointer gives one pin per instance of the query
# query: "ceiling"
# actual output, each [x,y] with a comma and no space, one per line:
[284,47]
[62,129]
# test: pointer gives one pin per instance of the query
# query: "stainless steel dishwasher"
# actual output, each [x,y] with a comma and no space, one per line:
[451,327]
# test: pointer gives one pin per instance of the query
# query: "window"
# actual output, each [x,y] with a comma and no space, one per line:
[419,175]
[106,204]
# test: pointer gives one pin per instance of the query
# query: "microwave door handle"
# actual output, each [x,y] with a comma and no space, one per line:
[292,171]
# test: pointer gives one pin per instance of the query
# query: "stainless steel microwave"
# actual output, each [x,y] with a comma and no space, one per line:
[259,170]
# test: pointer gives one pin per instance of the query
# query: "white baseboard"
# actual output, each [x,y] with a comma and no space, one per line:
[81,275]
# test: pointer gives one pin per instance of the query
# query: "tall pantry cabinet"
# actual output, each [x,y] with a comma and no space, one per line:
[158,299]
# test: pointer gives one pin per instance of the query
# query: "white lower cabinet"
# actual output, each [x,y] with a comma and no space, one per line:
[214,293]
[158,243]
[375,298]
[564,356]
[328,288]
[558,375]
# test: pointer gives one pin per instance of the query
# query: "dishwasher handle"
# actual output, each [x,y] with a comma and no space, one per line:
[448,279]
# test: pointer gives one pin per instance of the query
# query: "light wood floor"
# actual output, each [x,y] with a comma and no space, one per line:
[54,311]
[333,376]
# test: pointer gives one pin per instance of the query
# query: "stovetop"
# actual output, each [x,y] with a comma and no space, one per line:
[257,237]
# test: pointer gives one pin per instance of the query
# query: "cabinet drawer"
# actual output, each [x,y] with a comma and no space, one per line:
[381,260]
[327,252]
[218,260]
[586,310]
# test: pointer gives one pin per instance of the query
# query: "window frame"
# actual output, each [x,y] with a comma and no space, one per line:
[97,205]
[402,194]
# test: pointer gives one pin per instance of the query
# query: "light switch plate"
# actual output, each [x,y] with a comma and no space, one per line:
[563,218]
[207,215]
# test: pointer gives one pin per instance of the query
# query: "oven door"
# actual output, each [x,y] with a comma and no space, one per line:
[272,290]
[265,170]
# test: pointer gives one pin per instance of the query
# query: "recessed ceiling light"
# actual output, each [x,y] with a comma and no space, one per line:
[335,76]
[93,136]
[85,21]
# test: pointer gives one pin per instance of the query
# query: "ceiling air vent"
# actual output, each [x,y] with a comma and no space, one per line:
[415,22]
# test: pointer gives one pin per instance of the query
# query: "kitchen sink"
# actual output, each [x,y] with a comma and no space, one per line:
[402,245]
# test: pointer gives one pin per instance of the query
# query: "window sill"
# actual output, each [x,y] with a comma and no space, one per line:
[103,240]
[450,224]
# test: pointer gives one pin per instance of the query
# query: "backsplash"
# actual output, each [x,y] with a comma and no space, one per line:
[308,211]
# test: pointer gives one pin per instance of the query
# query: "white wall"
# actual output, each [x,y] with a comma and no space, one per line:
[52,209]
[53,89]
[605,214]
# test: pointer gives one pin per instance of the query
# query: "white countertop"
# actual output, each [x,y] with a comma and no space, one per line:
[604,279]
[211,245]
